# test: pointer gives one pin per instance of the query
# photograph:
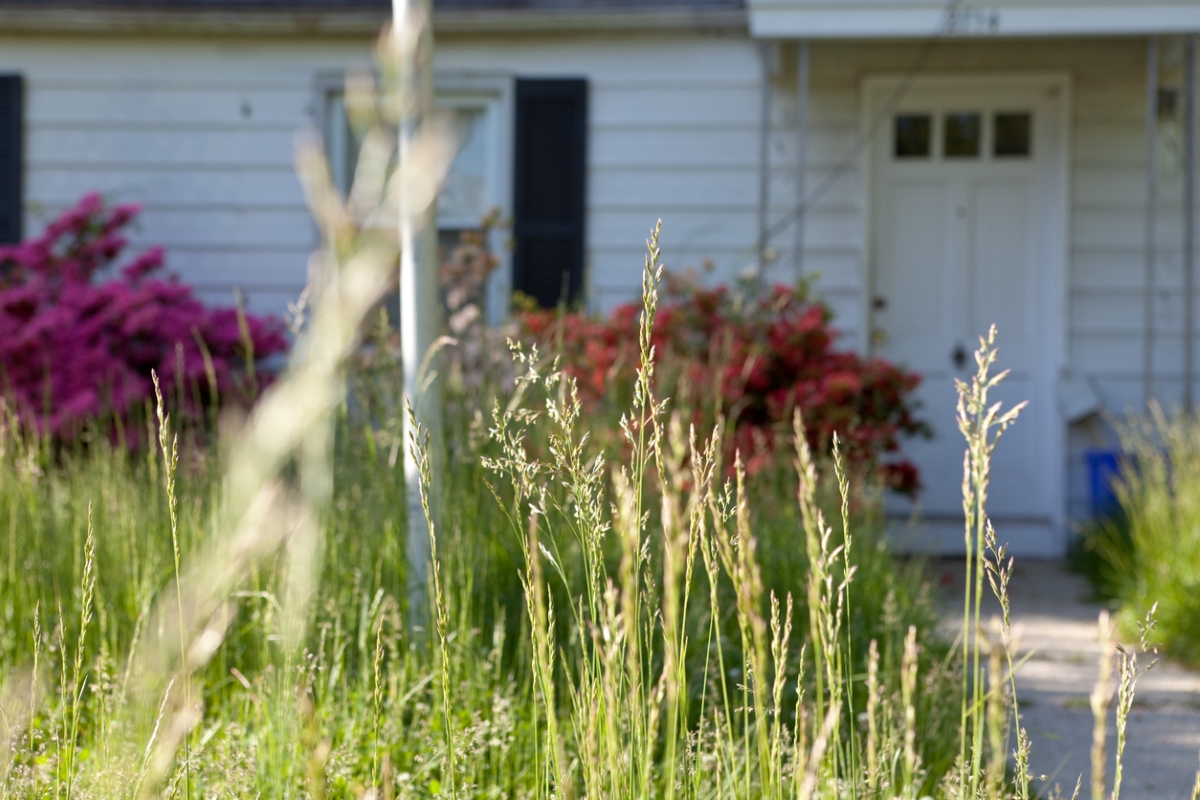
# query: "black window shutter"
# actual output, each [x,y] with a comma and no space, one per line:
[11,126]
[549,188]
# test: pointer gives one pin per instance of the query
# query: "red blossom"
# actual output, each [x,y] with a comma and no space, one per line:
[763,360]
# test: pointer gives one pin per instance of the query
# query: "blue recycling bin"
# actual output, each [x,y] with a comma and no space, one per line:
[1104,468]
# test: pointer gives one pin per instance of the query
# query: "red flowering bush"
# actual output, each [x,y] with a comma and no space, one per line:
[74,347]
[755,362]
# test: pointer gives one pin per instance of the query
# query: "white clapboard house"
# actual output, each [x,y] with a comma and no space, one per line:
[940,166]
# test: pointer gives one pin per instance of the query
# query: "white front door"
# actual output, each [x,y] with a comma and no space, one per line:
[966,232]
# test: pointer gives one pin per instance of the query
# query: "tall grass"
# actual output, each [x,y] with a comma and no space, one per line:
[1149,554]
[231,621]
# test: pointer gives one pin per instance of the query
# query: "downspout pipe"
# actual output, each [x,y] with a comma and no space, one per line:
[766,56]
[1189,219]
[1151,214]
[802,82]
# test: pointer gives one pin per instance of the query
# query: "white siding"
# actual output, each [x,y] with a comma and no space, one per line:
[200,132]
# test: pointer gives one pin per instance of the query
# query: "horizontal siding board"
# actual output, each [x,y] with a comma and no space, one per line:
[1109,142]
[1109,184]
[1107,104]
[828,231]
[711,147]
[823,186]
[1123,394]
[823,230]
[1108,313]
[256,300]
[691,147]
[147,62]
[626,229]
[847,316]
[694,105]
[276,268]
[832,270]
[612,187]
[187,148]
[274,228]
[1117,354]
[626,61]
[1106,229]
[619,228]
[619,271]
[1105,269]
[1092,60]
[193,186]
[698,102]
[1105,354]
[661,191]
[1109,227]
[830,107]
[1123,313]
[135,107]
[290,231]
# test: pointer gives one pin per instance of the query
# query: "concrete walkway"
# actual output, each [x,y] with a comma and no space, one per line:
[1058,631]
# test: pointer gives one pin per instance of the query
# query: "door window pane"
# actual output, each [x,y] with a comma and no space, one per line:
[913,134]
[1012,135]
[962,134]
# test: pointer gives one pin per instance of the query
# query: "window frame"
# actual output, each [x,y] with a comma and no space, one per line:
[491,93]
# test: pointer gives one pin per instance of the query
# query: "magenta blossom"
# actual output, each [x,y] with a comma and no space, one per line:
[75,347]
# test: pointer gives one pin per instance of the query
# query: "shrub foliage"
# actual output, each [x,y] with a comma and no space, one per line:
[754,361]
[79,337]
[1147,556]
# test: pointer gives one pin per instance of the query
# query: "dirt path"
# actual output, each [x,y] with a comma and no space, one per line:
[1058,631]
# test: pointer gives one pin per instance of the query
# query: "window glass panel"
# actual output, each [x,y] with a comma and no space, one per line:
[962,134]
[341,144]
[913,135]
[462,202]
[1012,135]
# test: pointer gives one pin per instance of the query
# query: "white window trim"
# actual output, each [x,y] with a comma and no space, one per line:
[494,94]
[325,85]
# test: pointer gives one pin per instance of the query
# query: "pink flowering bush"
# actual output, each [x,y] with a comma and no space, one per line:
[79,338]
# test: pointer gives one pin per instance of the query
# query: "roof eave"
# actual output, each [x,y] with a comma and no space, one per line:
[196,23]
[907,19]
[521,20]
[84,21]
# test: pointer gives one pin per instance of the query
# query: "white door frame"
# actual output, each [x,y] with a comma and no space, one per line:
[875,91]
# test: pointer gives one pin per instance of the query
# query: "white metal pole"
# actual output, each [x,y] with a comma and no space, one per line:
[1151,213]
[1189,219]
[419,303]
[802,79]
